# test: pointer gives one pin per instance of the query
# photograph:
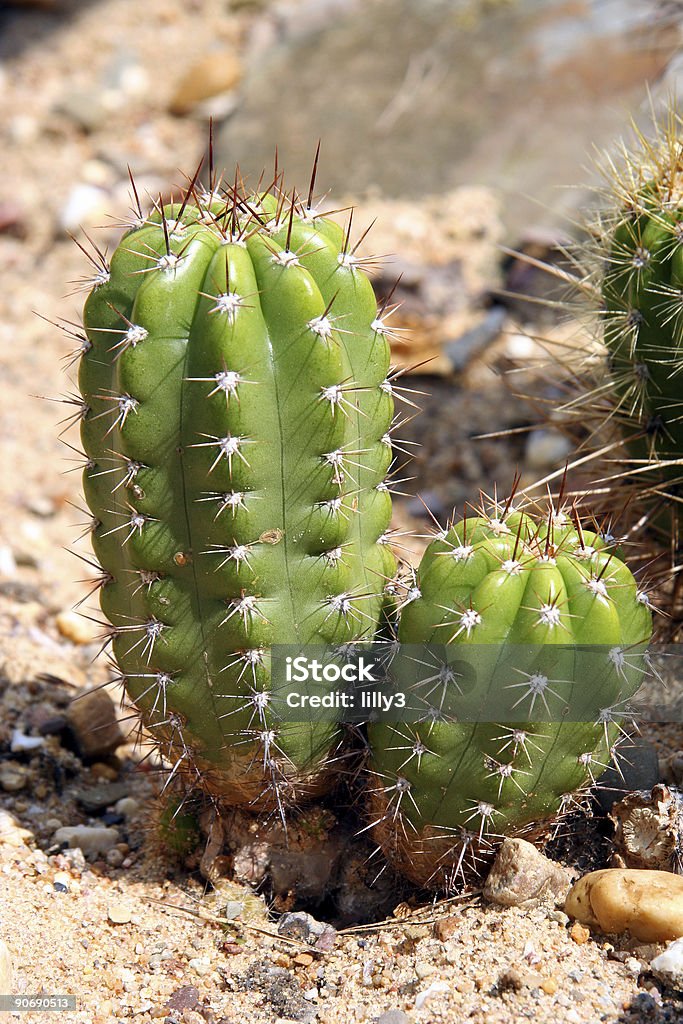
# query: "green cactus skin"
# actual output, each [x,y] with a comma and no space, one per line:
[443,791]
[236,416]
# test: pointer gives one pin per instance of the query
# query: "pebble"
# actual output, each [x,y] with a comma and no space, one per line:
[5,969]
[214,74]
[118,914]
[546,449]
[74,627]
[13,776]
[94,725]
[436,988]
[85,205]
[22,742]
[115,858]
[93,841]
[127,806]
[668,966]
[201,965]
[61,881]
[647,903]
[303,926]
[522,876]
[96,798]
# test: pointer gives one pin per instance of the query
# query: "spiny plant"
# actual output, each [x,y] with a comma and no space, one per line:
[527,630]
[628,275]
[235,413]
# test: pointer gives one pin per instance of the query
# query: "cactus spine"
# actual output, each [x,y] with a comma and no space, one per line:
[509,588]
[235,418]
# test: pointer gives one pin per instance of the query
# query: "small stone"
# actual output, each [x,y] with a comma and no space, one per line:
[649,904]
[75,627]
[201,965]
[5,969]
[61,881]
[393,1017]
[96,798]
[22,742]
[127,806]
[92,841]
[185,998]
[424,970]
[549,986]
[303,926]
[668,966]
[13,776]
[445,927]
[579,934]
[303,959]
[115,858]
[546,449]
[436,988]
[84,107]
[106,772]
[118,914]
[522,876]
[92,721]
[214,74]
[233,910]
[85,205]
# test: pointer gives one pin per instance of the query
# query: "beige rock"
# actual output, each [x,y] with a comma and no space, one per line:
[75,627]
[521,875]
[118,914]
[649,904]
[213,74]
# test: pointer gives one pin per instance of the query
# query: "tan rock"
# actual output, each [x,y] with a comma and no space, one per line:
[75,627]
[649,904]
[213,74]
[521,876]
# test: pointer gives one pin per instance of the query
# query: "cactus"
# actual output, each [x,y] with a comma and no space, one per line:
[551,619]
[235,416]
[641,285]
[627,283]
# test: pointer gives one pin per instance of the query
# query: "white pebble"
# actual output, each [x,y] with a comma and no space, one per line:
[127,806]
[85,204]
[669,964]
[546,449]
[91,840]
[22,742]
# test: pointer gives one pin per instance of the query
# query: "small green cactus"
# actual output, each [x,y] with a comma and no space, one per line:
[628,276]
[236,409]
[641,283]
[523,598]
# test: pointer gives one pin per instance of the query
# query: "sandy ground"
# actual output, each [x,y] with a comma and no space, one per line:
[122,933]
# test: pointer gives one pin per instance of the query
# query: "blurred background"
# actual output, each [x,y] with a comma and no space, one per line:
[461,125]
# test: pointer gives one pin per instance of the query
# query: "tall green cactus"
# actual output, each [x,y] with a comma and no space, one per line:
[640,278]
[236,415]
[522,599]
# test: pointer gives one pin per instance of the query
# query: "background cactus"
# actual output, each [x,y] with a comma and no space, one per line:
[628,276]
[235,417]
[522,599]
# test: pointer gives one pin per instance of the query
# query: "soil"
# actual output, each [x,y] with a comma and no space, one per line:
[133,934]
